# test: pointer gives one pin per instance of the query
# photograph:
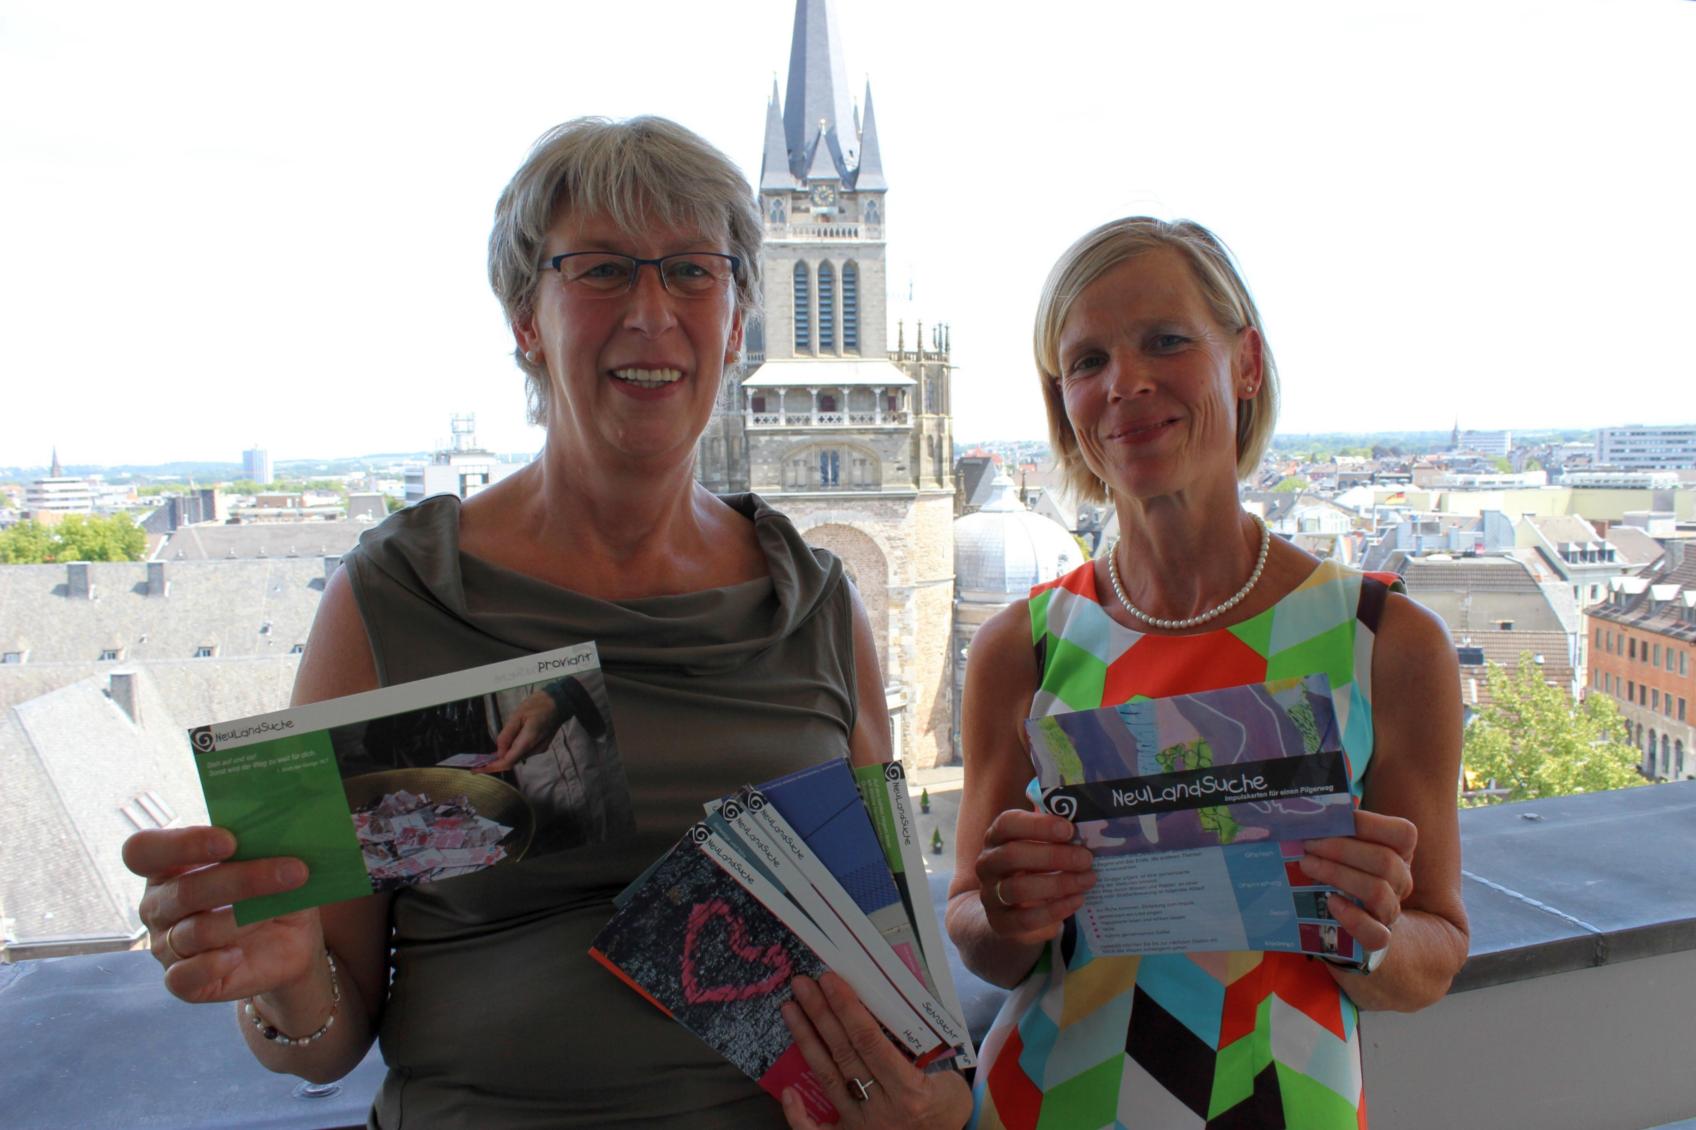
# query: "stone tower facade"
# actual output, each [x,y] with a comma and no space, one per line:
[850,438]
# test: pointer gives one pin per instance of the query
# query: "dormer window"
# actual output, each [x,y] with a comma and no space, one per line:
[11,657]
[206,651]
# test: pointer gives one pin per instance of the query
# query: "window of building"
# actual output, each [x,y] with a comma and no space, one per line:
[1643,694]
[1681,710]
[110,654]
[206,651]
[1678,759]
[1630,691]
[1598,639]
[850,308]
[11,657]
[1656,662]
[830,468]
[803,310]
[1666,756]
[827,308]
[1683,663]
[1631,649]
[297,649]
[148,810]
[1654,698]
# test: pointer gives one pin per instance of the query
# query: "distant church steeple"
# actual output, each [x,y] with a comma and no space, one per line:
[56,472]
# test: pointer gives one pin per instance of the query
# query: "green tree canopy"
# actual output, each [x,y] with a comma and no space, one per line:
[1535,742]
[1291,484]
[78,537]
[26,543]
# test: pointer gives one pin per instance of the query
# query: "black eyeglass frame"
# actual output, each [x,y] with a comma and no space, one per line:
[637,263]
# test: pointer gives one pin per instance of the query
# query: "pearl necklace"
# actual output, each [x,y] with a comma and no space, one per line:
[1202,618]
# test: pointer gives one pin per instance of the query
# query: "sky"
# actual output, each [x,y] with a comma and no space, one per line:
[264,224]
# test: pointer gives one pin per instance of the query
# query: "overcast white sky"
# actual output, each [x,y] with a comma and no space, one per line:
[230,224]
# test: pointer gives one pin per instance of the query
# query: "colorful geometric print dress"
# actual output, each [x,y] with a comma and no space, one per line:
[1175,1041]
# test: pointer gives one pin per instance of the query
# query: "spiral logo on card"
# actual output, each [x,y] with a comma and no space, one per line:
[731,810]
[756,801]
[700,833]
[1060,804]
[201,738]
[892,772]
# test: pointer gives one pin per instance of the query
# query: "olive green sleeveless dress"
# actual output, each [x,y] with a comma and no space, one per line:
[496,1015]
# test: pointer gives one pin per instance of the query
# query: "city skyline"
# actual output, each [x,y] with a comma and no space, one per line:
[203,235]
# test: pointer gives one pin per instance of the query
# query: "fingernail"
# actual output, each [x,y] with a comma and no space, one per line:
[291,872]
[220,844]
[1308,863]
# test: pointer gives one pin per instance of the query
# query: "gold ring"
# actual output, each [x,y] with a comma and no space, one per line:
[170,945]
[999,897]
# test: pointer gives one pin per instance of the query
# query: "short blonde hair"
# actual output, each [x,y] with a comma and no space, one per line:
[1221,285]
[636,172]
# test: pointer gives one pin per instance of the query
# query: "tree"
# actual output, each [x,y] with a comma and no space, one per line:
[26,543]
[1535,742]
[113,538]
[1500,463]
[1292,484]
[76,538]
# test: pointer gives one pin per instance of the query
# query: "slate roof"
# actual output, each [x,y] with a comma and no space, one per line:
[1475,596]
[1635,546]
[75,763]
[225,604]
[1661,600]
[225,542]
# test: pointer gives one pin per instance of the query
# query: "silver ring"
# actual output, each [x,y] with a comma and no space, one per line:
[862,1091]
[999,897]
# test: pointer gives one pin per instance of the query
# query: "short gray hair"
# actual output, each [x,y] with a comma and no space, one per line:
[636,171]
[1227,296]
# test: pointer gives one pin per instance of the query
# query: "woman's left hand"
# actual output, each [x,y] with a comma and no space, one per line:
[1374,866]
[870,1083]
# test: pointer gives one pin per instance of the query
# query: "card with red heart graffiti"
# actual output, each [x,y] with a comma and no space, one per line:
[707,953]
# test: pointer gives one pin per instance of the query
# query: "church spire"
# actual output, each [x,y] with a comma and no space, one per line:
[774,166]
[56,471]
[870,175]
[817,103]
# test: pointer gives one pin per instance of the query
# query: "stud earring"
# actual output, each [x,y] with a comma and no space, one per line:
[532,356]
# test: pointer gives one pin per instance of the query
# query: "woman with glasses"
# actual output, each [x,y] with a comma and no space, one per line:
[626,258]
[1161,395]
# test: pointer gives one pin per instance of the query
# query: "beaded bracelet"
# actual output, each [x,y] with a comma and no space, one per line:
[270,1032]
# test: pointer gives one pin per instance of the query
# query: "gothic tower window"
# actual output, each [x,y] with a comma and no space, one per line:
[850,308]
[827,308]
[803,310]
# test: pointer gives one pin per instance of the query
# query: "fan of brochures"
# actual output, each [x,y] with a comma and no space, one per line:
[817,870]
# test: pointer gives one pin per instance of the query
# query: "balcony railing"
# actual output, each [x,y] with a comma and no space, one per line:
[1573,1011]
[844,231]
[896,419]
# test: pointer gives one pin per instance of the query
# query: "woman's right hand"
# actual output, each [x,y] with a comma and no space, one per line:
[1031,877]
[191,928]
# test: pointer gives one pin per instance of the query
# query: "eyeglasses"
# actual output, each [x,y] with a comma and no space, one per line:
[601,274]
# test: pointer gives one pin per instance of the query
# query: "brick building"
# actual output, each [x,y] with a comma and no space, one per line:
[1643,655]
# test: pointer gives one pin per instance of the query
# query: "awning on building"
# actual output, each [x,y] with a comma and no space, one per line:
[828,373]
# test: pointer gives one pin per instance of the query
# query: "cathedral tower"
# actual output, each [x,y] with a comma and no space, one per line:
[853,440]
